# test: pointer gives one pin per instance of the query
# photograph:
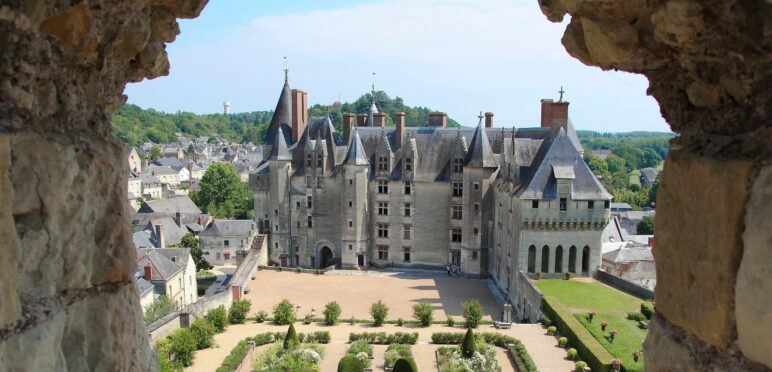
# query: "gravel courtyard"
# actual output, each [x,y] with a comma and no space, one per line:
[355,293]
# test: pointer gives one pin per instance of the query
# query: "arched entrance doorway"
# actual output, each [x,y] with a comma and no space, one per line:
[326,256]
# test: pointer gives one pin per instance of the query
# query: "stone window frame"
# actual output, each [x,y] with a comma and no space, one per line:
[456,235]
[457,212]
[383,230]
[407,231]
[408,209]
[383,187]
[591,204]
[406,254]
[458,189]
[383,163]
[563,204]
[534,204]
[310,220]
[458,165]
[408,188]
[383,252]
[383,208]
[408,164]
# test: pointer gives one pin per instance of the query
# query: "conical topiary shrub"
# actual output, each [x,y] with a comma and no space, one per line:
[468,347]
[350,363]
[405,365]
[291,340]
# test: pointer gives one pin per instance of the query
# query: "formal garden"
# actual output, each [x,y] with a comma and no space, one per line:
[599,326]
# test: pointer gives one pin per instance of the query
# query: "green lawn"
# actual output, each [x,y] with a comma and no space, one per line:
[611,305]
[635,177]
[204,273]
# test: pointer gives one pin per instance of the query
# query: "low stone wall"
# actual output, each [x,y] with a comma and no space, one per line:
[163,327]
[529,299]
[199,308]
[624,285]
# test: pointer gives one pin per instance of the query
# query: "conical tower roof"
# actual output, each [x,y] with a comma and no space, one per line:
[480,153]
[279,151]
[356,151]
[282,116]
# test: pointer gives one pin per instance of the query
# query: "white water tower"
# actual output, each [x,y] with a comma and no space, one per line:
[226,107]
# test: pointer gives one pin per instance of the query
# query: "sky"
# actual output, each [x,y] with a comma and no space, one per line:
[457,56]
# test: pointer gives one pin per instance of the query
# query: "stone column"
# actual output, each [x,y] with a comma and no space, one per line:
[552,259]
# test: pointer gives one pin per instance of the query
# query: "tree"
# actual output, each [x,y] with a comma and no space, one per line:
[155,153]
[219,318]
[284,313]
[291,340]
[422,312]
[204,332]
[350,363]
[646,226]
[160,308]
[472,313]
[238,311]
[183,346]
[379,311]
[331,313]
[468,346]
[222,193]
[191,241]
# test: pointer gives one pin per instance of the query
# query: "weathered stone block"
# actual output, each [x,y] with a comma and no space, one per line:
[753,304]
[10,308]
[663,353]
[698,226]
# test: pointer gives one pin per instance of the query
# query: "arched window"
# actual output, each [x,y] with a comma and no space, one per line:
[545,259]
[531,259]
[585,259]
[559,259]
[572,259]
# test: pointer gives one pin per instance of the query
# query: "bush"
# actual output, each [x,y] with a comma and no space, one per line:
[384,338]
[308,319]
[360,346]
[291,340]
[647,309]
[400,322]
[405,365]
[204,332]
[598,358]
[298,270]
[450,322]
[261,316]
[234,359]
[545,321]
[182,344]
[562,342]
[552,330]
[468,346]
[160,308]
[238,311]
[350,363]
[320,337]
[331,313]
[351,321]
[568,275]
[580,366]
[571,354]
[284,313]
[638,317]
[422,312]
[473,313]
[219,318]
[395,352]
[379,311]
[521,357]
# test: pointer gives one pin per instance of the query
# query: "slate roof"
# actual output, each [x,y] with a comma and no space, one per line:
[650,174]
[143,286]
[480,154]
[162,267]
[613,232]
[182,204]
[142,239]
[241,228]
[630,252]
[279,149]
[172,232]
[169,162]
[282,117]
[356,151]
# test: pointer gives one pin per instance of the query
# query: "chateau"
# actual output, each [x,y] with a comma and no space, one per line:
[492,201]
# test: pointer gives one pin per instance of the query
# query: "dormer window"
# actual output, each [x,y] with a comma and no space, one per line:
[590,204]
[319,160]
[309,160]
[563,204]
[408,164]
[458,165]
[383,163]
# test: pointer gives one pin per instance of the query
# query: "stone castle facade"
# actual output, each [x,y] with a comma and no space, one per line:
[492,201]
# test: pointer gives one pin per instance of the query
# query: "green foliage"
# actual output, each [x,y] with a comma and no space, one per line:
[308,319]
[350,363]
[646,226]
[234,359]
[647,309]
[468,346]
[552,330]
[284,313]
[190,241]
[545,321]
[400,322]
[634,315]
[473,313]
[303,358]
[379,311]
[562,342]
[155,152]
[359,349]
[291,340]
[261,316]
[238,311]
[516,348]
[450,322]
[222,193]
[395,352]
[580,366]
[163,351]
[183,345]
[571,354]
[422,312]
[331,313]
[383,338]
[219,318]
[158,309]
[204,333]
[405,365]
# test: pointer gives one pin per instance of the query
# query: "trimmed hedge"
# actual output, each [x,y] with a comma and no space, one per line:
[382,338]
[596,356]
[239,352]
[514,346]
[318,337]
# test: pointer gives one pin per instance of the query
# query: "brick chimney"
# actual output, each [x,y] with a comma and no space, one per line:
[554,115]
[348,126]
[400,122]
[178,218]
[489,120]
[438,119]
[299,113]
[651,242]
[148,273]
[159,233]
[361,120]
[379,119]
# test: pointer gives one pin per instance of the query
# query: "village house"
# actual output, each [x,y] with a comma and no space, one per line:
[171,271]
[223,240]
[135,161]
[633,262]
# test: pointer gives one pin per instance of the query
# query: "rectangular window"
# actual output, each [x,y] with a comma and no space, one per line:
[310,221]
[406,254]
[308,201]
[476,207]
[408,164]
[297,205]
[458,189]
[456,212]
[455,235]
[590,204]
[606,204]
[226,243]
[383,163]
[476,186]
[350,204]
[350,247]
[308,182]
[408,188]
[308,160]
[276,228]
[319,183]
[275,212]
[474,255]
[383,252]
[350,224]
[458,165]
[407,232]
[319,160]
[297,224]
[563,204]
[408,209]
[383,208]
[350,182]
[383,230]
[383,186]
[476,231]
[535,204]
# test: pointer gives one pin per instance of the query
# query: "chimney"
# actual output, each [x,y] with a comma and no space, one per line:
[438,119]
[400,121]
[348,126]
[489,120]
[148,274]
[178,218]
[379,119]
[651,242]
[159,233]
[361,120]
[554,115]
[299,113]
